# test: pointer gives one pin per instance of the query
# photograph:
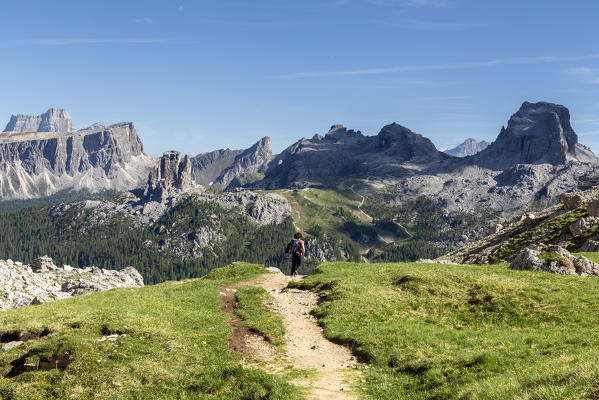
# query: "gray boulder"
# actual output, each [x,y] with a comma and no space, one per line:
[593,208]
[560,262]
[572,201]
[590,246]
[43,264]
[579,227]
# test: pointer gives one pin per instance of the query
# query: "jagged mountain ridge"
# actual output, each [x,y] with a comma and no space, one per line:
[54,120]
[534,160]
[344,153]
[468,147]
[232,168]
[37,164]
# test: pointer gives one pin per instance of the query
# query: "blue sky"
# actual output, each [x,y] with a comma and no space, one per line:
[200,75]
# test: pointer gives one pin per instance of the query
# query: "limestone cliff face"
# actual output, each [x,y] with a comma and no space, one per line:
[538,133]
[170,176]
[232,168]
[53,120]
[41,163]
[468,147]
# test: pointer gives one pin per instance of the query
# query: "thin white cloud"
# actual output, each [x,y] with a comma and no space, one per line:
[443,67]
[590,133]
[69,42]
[587,121]
[589,75]
[145,20]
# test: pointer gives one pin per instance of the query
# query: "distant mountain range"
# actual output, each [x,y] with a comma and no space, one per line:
[532,160]
[389,197]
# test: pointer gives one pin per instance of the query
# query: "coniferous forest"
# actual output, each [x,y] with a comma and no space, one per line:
[159,253]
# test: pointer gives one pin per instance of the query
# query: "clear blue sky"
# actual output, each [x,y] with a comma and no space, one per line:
[201,75]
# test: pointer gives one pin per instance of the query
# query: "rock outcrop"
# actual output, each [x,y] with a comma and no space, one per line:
[341,153]
[249,166]
[232,168]
[43,281]
[556,260]
[468,147]
[170,176]
[538,133]
[42,163]
[207,167]
[53,120]
[569,224]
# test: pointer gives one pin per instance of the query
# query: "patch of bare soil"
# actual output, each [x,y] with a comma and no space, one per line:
[305,345]
[242,339]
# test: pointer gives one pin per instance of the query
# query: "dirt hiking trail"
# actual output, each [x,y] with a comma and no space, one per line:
[336,370]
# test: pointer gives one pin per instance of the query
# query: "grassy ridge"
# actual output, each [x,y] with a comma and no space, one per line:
[464,332]
[174,346]
[256,315]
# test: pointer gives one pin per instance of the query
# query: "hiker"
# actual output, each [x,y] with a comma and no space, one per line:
[297,249]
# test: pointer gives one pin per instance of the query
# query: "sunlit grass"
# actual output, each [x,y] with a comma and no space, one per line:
[464,332]
[174,346]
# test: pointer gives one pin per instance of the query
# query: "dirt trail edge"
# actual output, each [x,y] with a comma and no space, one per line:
[305,345]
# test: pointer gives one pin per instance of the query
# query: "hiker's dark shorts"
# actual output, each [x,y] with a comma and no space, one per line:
[296,263]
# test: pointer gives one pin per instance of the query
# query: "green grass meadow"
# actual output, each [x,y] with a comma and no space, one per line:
[432,331]
[252,309]
[174,346]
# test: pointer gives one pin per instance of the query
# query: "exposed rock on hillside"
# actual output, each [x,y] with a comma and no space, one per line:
[571,228]
[343,153]
[537,133]
[42,281]
[170,176]
[53,120]
[232,168]
[249,166]
[556,260]
[207,167]
[467,148]
[42,163]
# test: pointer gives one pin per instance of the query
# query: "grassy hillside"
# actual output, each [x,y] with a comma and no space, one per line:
[378,227]
[171,345]
[464,332]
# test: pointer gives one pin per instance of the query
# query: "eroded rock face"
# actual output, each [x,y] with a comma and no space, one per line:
[172,174]
[590,245]
[537,133]
[468,148]
[43,281]
[42,163]
[53,120]
[560,261]
[344,152]
[572,201]
[579,227]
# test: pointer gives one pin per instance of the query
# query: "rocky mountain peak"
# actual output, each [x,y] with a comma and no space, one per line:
[248,165]
[339,132]
[537,133]
[403,144]
[468,147]
[54,120]
[171,175]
